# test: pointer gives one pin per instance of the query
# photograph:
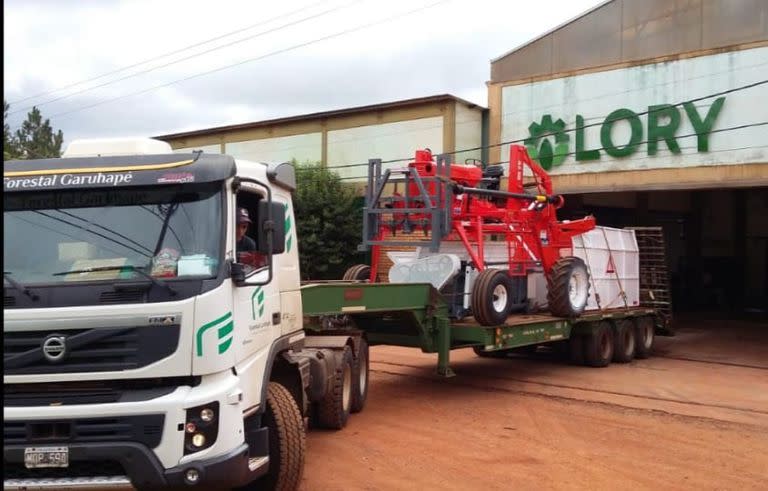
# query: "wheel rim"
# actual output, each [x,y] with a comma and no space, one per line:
[499,298]
[346,390]
[577,291]
[363,372]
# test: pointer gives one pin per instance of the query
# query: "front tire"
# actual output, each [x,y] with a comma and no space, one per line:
[333,411]
[492,297]
[568,287]
[287,441]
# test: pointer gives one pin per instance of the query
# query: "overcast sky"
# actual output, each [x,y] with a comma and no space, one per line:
[444,48]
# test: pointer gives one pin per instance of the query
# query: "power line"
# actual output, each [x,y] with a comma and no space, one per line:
[152,69]
[159,57]
[521,140]
[258,58]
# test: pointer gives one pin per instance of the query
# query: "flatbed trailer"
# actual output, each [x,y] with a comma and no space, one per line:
[415,315]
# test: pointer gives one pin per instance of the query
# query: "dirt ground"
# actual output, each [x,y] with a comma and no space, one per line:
[694,416]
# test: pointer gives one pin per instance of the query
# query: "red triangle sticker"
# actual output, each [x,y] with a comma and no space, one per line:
[611,268]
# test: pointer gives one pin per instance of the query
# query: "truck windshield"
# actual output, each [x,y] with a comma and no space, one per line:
[168,232]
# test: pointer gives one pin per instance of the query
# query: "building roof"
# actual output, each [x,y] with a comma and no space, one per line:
[322,115]
[547,33]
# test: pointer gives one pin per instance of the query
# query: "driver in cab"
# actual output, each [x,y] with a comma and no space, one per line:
[246,246]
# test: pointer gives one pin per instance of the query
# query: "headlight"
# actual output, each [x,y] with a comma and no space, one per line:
[201,427]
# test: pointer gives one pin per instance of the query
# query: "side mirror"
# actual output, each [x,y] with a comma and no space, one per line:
[237,273]
[276,227]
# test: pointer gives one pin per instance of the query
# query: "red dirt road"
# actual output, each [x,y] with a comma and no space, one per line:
[693,417]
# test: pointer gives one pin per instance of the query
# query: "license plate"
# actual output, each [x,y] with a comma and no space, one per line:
[37,457]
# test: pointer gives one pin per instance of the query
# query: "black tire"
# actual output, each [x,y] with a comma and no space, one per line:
[576,349]
[358,272]
[624,341]
[492,297]
[568,287]
[360,377]
[598,345]
[333,411]
[287,441]
[644,336]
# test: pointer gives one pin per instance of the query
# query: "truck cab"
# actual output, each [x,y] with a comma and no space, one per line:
[142,348]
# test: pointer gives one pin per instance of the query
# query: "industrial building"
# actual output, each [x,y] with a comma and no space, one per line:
[647,113]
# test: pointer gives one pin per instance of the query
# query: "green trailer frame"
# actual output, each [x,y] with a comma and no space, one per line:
[415,315]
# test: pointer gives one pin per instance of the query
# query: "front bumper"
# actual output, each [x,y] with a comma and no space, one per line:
[143,470]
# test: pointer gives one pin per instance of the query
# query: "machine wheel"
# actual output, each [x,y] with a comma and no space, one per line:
[492,297]
[358,272]
[598,345]
[333,411]
[576,349]
[644,336]
[624,341]
[287,441]
[568,287]
[360,377]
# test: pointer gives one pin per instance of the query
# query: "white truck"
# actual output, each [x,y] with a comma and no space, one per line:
[141,350]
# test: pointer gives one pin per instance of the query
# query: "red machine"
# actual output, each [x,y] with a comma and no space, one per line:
[451,202]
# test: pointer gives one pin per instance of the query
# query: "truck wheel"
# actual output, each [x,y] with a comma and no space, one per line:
[568,287]
[333,410]
[624,341]
[598,345]
[287,441]
[360,377]
[480,351]
[576,349]
[492,297]
[644,336]
[358,272]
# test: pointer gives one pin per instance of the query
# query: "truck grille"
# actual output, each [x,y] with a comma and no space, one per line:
[88,350]
[146,429]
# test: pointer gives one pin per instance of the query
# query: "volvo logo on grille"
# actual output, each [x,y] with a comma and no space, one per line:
[55,348]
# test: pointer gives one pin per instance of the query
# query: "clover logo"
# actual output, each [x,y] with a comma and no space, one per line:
[541,148]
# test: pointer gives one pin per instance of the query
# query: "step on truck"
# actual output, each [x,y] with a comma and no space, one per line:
[148,346]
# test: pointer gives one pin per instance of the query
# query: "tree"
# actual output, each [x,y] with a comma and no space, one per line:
[36,139]
[10,149]
[328,222]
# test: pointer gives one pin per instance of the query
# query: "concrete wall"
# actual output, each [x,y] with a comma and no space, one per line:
[469,129]
[303,148]
[385,141]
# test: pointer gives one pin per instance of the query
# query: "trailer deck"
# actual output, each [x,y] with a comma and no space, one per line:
[415,315]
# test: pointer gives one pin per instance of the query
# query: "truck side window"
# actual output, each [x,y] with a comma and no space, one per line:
[245,245]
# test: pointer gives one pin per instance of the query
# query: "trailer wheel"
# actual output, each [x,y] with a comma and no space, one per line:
[358,272]
[360,377]
[576,349]
[480,351]
[644,336]
[624,341]
[598,345]
[568,287]
[492,297]
[333,411]
[287,441]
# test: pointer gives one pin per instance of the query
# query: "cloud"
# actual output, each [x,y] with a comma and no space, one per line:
[444,49]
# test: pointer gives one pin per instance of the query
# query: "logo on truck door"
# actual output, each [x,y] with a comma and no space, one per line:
[223,327]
